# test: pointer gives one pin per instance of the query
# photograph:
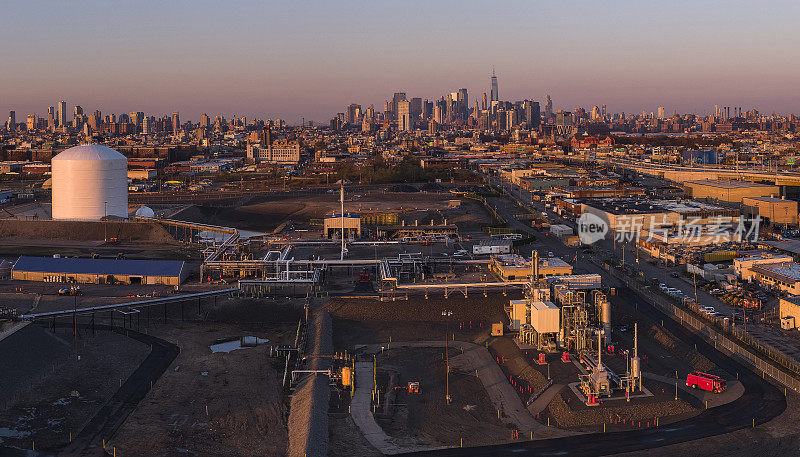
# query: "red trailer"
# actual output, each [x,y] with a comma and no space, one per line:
[705,381]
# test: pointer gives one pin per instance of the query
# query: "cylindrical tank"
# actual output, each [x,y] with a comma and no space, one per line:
[636,368]
[346,376]
[605,318]
[89,182]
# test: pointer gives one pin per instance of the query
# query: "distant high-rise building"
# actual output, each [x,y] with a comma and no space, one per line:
[77,111]
[427,110]
[416,108]
[396,99]
[404,122]
[137,119]
[463,103]
[494,91]
[485,105]
[661,112]
[176,122]
[351,113]
[51,117]
[11,124]
[595,115]
[205,122]
[533,114]
[31,124]
[548,106]
[62,114]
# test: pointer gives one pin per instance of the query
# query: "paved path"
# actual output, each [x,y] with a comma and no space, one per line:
[540,404]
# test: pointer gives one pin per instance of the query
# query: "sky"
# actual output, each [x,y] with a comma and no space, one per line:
[308,59]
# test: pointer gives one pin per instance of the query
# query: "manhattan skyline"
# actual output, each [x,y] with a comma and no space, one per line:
[270,60]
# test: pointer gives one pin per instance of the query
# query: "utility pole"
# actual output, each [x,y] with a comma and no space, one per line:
[341,198]
[447,314]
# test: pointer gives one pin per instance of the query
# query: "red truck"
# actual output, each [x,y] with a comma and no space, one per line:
[705,381]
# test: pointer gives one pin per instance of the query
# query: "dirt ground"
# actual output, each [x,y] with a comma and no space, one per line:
[212,404]
[424,418]
[61,400]
[217,404]
[363,321]
[265,214]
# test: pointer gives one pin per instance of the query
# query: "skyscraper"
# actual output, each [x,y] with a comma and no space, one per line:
[351,113]
[31,124]
[396,99]
[463,103]
[532,113]
[495,93]
[62,113]
[176,122]
[548,106]
[661,112]
[416,108]
[404,115]
[12,120]
[51,117]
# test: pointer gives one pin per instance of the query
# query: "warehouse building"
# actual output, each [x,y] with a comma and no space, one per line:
[99,271]
[629,214]
[776,210]
[729,190]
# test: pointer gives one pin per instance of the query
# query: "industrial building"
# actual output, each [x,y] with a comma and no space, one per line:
[99,271]
[335,223]
[628,214]
[90,182]
[776,210]
[789,312]
[512,267]
[743,266]
[729,190]
[493,246]
[784,276]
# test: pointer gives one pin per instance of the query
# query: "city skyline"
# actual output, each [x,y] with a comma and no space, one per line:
[268,60]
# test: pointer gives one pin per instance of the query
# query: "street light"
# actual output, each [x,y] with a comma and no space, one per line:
[446,314]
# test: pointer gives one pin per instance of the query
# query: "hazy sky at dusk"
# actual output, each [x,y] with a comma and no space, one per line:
[310,58]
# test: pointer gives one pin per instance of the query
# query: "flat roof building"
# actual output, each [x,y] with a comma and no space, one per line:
[99,271]
[628,214]
[729,190]
[777,210]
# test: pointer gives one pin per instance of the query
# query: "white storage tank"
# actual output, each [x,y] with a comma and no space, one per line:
[89,182]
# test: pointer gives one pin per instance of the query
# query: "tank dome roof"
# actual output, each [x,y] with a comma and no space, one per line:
[89,152]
